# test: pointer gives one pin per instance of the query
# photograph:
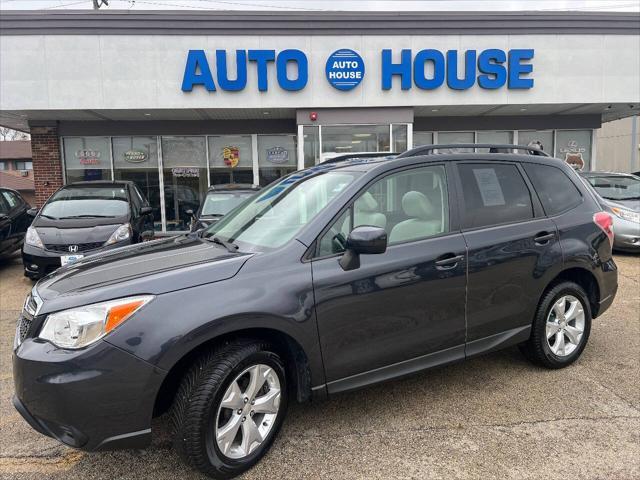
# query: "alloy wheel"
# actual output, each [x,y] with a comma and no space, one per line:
[248,411]
[565,325]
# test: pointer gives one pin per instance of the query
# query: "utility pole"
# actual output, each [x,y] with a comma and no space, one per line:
[98,3]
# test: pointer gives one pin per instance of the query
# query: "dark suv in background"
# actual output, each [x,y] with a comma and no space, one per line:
[330,279]
[14,221]
[85,218]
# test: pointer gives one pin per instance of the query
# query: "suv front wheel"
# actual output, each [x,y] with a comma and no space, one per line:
[229,408]
[561,326]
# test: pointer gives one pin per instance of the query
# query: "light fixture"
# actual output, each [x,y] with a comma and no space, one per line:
[147,114]
[356,141]
[434,110]
[362,135]
[523,109]
[266,112]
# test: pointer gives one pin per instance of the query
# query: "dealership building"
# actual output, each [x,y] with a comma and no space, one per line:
[180,101]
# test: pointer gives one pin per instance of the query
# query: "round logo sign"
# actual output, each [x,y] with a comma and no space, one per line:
[345,69]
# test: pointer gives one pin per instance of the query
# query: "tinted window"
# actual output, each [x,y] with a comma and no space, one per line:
[11,198]
[494,194]
[87,202]
[410,205]
[4,208]
[556,191]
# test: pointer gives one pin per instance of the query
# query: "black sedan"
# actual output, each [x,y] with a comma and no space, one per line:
[85,218]
[219,201]
[14,221]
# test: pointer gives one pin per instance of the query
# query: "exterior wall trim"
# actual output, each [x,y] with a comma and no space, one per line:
[249,23]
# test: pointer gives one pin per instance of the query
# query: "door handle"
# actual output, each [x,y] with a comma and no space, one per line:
[543,238]
[448,261]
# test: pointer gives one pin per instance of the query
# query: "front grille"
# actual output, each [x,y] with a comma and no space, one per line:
[82,247]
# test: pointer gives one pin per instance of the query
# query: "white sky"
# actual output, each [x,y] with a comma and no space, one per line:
[333,5]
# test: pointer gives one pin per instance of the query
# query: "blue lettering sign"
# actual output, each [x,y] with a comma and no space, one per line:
[419,64]
[300,59]
[197,60]
[262,58]
[241,71]
[402,69]
[516,68]
[469,78]
[344,69]
[491,64]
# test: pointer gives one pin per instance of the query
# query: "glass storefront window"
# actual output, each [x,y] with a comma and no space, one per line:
[495,137]
[344,139]
[136,159]
[311,145]
[230,159]
[456,137]
[545,137]
[399,138]
[574,147]
[276,157]
[422,138]
[184,167]
[87,158]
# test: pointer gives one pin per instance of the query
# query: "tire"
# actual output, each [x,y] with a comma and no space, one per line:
[538,348]
[197,414]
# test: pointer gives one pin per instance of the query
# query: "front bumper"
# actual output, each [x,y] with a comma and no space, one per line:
[38,262]
[626,235]
[98,398]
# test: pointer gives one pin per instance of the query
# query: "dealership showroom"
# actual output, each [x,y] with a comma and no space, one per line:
[180,101]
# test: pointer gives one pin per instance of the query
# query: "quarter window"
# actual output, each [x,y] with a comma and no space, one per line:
[11,199]
[410,205]
[555,190]
[494,194]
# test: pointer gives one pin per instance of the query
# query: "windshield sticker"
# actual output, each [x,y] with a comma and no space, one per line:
[489,186]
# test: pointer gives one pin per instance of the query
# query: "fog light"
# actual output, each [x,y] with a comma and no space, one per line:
[34,266]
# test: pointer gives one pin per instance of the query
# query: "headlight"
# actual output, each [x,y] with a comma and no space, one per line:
[81,326]
[32,238]
[626,214]
[122,233]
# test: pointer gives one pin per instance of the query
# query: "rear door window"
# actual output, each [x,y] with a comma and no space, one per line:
[493,194]
[556,191]
[11,198]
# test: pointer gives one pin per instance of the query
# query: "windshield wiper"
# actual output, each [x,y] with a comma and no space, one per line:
[49,217]
[231,247]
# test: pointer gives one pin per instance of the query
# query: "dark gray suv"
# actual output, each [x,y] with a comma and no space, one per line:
[331,279]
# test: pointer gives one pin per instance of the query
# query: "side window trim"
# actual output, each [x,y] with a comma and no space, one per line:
[458,182]
[454,219]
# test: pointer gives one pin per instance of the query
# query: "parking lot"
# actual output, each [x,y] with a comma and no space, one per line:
[492,417]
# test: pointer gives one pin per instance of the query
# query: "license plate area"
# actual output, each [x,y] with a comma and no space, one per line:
[67,259]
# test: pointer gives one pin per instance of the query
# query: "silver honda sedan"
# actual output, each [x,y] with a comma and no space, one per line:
[619,194]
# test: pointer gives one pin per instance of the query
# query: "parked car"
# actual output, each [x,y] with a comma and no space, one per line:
[220,200]
[82,219]
[333,278]
[619,194]
[14,221]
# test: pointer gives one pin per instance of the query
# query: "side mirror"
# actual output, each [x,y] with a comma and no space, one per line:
[189,212]
[363,240]
[32,212]
[146,210]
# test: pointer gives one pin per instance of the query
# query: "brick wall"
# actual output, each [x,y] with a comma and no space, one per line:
[47,163]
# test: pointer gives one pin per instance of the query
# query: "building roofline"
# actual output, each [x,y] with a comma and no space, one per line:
[213,22]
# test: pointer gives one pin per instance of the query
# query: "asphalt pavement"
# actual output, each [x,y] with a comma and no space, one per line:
[495,416]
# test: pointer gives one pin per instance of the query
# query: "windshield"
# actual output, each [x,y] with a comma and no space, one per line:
[221,203]
[274,216]
[615,187]
[85,202]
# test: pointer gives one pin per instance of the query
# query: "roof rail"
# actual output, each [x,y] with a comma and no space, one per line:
[355,156]
[493,148]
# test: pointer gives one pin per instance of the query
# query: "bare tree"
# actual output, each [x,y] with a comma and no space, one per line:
[7,134]
[98,3]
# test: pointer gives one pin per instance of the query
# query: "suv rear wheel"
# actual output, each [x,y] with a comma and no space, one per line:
[561,326]
[229,408]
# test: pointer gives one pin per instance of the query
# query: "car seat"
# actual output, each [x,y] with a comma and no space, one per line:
[424,219]
[366,212]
